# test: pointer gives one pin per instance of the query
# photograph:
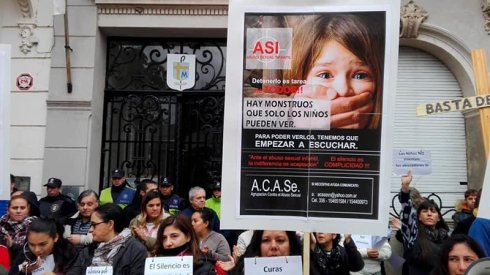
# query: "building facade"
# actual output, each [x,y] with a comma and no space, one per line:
[120,113]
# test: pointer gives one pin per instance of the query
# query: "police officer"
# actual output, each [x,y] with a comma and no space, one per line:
[56,205]
[215,201]
[173,203]
[119,192]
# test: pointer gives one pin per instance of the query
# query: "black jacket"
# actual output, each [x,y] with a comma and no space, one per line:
[64,255]
[204,267]
[351,260]
[58,208]
[129,260]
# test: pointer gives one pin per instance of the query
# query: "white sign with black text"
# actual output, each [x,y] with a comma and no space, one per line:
[179,265]
[99,270]
[416,160]
[289,265]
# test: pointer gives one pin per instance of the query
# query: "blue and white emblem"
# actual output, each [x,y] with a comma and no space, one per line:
[181,71]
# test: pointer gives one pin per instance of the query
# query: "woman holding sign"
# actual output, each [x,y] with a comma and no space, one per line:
[176,237]
[265,243]
[423,231]
[114,250]
[47,250]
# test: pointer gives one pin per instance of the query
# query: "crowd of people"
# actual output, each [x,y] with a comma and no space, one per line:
[123,227]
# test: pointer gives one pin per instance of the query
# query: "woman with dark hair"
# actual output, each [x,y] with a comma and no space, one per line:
[423,231]
[210,242]
[145,226]
[113,244]
[457,254]
[14,225]
[47,250]
[33,203]
[265,243]
[176,237]
[329,257]
[134,208]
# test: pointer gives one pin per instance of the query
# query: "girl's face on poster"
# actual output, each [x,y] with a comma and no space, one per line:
[274,243]
[341,72]
[460,257]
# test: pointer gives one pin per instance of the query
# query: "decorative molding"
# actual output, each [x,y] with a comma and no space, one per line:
[219,10]
[69,105]
[162,2]
[412,16]
[450,49]
[25,8]
[485,6]
[28,40]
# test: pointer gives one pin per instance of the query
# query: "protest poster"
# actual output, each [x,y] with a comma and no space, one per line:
[178,265]
[4,121]
[308,85]
[288,265]
[416,160]
[99,270]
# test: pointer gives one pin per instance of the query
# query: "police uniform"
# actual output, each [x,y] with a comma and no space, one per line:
[58,208]
[121,195]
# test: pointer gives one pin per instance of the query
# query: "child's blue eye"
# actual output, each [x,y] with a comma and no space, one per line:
[325,75]
[361,75]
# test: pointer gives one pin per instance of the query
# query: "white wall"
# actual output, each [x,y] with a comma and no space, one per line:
[28,108]
[70,115]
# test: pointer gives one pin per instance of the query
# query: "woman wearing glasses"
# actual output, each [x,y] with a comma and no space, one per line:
[113,246]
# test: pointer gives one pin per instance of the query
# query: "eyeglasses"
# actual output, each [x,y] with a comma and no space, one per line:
[94,224]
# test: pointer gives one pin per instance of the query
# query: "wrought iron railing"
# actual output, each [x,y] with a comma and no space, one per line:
[445,210]
[152,131]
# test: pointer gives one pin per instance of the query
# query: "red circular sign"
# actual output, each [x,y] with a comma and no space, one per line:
[24,82]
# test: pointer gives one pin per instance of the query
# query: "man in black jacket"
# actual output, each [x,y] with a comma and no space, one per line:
[56,205]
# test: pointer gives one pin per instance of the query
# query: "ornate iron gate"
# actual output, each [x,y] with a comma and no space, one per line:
[151,131]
